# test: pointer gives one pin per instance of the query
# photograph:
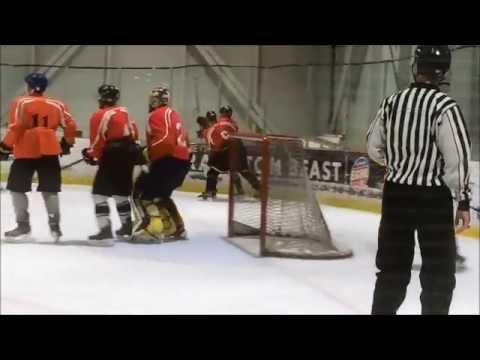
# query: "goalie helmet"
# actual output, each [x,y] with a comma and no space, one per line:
[108,94]
[159,96]
[434,59]
[226,110]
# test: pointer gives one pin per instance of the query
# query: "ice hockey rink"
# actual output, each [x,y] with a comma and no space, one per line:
[204,275]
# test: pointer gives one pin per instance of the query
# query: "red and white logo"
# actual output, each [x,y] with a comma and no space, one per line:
[360,173]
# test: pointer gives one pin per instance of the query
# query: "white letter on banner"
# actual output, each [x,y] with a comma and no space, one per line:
[326,171]
[315,171]
[337,165]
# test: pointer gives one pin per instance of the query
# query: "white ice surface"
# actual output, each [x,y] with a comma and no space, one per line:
[205,275]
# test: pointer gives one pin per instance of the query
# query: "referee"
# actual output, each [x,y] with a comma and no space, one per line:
[420,136]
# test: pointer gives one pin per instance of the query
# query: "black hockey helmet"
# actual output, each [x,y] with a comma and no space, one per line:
[38,82]
[435,59]
[108,94]
[226,110]
[211,115]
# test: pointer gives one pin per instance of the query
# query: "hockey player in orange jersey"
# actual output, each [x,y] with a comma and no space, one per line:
[31,136]
[168,156]
[113,136]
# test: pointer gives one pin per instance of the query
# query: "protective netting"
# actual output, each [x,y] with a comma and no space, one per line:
[294,223]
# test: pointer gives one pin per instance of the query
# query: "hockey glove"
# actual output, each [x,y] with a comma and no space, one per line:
[5,152]
[65,147]
[88,158]
[138,155]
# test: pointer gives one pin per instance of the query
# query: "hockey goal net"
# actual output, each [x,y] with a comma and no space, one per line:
[284,218]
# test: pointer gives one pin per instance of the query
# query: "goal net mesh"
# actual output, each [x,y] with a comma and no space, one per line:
[284,219]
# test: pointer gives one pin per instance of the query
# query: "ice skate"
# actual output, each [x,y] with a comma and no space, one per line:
[55,232]
[18,235]
[460,261]
[126,230]
[208,195]
[180,234]
[103,238]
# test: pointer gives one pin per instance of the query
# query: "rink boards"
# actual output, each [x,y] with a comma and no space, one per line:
[342,179]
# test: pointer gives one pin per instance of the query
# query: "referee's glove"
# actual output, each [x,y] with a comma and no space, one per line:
[462,221]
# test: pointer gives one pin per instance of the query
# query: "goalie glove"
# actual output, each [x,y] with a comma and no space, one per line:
[87,157]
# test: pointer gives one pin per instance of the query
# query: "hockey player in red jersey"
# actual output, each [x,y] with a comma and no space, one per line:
[204,123]
[203,127]
[168,156]
[226,113]
[211,117]
[221,145]
[113,136]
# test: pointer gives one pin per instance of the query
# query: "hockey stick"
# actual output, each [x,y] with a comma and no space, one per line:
[71,164]
[10,158]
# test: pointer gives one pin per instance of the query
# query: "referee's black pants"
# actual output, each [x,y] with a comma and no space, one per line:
[429,212]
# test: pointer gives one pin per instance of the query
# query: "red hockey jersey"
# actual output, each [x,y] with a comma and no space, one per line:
[230,120]
[107,124]
[219,134]
[166,135]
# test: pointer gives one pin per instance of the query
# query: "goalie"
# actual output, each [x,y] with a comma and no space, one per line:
[168,158]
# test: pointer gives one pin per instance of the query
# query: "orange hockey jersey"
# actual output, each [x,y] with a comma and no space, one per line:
[166,135]
[32,125]
[107,124]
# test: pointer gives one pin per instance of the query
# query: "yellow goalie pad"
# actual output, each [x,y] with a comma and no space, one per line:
[153,221]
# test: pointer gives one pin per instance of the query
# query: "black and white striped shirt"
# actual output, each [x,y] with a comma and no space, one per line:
[419,134]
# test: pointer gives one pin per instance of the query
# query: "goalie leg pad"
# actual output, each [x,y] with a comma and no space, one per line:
[179,232]
[153,220]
